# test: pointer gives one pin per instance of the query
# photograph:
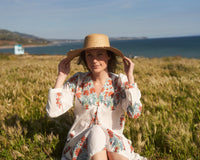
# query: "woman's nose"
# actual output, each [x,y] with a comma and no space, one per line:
[94,59]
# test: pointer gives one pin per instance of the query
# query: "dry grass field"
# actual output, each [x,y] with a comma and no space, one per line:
[169,127]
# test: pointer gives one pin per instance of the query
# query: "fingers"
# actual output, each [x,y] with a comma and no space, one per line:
[128,62]
[65,61]
[64,66]
[128,66]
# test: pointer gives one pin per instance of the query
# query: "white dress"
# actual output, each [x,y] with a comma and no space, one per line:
[99,121]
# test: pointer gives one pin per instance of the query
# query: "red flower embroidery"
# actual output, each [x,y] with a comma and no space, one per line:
[116,149]
[136,115]
[92,90]
[106,93]
[86,106]
[78,151]
[131,148]
[86,92]
[86,84]
[110,82]
[127,85]
[58,102]
[110,93]
[71,135]
[78,94]
[122,119]
[83,139]
[110,133]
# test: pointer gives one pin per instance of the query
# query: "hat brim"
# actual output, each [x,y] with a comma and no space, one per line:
[77,52]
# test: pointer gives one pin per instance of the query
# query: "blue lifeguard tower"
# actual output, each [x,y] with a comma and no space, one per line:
[18,49]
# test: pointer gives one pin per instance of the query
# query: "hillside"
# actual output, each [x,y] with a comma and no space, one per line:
[8,38]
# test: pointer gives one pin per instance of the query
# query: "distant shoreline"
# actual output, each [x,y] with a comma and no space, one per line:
[24,46]
[61,41]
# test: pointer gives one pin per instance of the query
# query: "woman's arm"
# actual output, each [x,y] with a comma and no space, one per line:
[60,98]
[132,104]
[128,68]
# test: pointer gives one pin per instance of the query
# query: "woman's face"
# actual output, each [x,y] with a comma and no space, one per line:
[97,60]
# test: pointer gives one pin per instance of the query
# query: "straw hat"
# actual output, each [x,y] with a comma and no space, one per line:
[95,41]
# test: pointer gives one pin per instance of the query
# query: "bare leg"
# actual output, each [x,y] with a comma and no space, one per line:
[102,155]
[115,156]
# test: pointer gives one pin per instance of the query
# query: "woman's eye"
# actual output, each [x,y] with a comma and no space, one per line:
[89,55]
[100,54]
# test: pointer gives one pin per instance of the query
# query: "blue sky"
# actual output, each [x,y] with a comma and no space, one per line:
[73,19]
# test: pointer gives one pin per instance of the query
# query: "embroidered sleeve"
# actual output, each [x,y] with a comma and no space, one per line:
[60,100]
[72,83]
[131,102]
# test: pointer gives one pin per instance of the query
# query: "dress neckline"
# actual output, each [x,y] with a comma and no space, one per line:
[103,87]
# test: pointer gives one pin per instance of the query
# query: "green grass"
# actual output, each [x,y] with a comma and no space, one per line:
[169,127]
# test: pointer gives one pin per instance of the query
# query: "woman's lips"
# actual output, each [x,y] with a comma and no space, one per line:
[95,66]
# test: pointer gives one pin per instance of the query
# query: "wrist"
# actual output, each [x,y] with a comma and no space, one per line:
[131,79]
[62,76]
[60,80]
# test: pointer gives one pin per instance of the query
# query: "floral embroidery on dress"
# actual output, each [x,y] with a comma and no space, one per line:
[72,83]
[95,120]
[86,93]
[79,147]
[115,141]
[111,94]
[128,86]
[134,110]
[131,147]
[58,100]
[122,120]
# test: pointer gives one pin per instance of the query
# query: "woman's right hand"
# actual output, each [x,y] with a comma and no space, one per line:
[64,67]
[63,71]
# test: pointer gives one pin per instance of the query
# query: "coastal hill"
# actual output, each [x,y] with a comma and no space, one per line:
[8,38]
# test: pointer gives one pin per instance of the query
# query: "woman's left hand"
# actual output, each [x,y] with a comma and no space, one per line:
[128,68]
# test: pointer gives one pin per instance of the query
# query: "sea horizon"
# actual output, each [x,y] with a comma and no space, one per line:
[185,46]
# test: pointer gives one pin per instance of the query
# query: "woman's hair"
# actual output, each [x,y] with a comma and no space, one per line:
[112,62]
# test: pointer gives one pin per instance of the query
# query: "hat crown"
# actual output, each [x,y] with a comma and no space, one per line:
[96,40]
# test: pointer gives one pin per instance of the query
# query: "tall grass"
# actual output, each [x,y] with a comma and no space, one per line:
[169,127]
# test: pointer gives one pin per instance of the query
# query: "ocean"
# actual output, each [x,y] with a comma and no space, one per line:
[188,47]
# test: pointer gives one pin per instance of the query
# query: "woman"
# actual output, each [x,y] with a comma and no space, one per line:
[101,98]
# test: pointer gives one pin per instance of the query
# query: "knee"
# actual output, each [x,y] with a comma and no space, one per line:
[96,139]
[97,133]
[97,130]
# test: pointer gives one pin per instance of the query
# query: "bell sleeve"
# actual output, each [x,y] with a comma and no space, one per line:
[60,100]
[130,97]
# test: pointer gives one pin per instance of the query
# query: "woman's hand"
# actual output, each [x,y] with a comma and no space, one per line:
[63,71]
[128,68]
[64,67]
